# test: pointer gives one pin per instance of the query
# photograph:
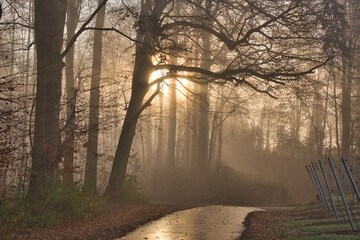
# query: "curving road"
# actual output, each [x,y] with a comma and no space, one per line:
[202,223]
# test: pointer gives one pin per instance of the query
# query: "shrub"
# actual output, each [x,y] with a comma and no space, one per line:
[58,204]
[132,191]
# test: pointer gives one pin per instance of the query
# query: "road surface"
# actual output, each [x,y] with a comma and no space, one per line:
[202,223]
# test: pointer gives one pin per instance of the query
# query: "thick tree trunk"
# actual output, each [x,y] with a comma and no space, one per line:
[203,128]
[71,23]
[348,57]
[215,130]
[93,134]
[346,107]
[142,71]
[49,28]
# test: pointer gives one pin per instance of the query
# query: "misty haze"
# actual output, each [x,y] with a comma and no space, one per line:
[226,114]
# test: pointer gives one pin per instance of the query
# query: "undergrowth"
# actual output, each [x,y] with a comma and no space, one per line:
[132,191]
[57,205]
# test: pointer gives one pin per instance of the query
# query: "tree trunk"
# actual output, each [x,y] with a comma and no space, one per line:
[203,151]
[346,106]
[220,143]
[260,130]
[49,28]
[172,123]
[93,133]
[336,120]
[172,106]
[195,127]
[295,127]
[213,136]
[188,132]
[71,23]
[267,114]
[325,118]
[142,71]
[160,140]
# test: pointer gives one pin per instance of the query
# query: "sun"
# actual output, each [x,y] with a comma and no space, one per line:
[158,74]
[182,84]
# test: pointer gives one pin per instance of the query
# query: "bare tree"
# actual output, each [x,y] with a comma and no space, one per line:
[93,134]
[49,28]
[73,12]
[261,47]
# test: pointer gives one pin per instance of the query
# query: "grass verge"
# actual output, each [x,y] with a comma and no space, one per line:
[305,222]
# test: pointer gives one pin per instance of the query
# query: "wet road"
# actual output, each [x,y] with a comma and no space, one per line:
[210,223]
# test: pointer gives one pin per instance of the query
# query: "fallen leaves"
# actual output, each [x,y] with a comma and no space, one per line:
[118,220]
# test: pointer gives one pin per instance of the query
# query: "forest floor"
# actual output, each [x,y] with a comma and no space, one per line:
[116,221]
[305,222]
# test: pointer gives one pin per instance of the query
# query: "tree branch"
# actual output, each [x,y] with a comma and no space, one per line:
[148,102]
[115,30]
[82,29]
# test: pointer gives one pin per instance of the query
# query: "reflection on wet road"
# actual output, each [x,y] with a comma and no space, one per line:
[210,223]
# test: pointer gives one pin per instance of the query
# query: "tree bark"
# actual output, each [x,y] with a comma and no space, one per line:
[336,119]
[266,110]
[71,23]
[49,28]
[203,150]
[213,136]
[172,123]
[93,133]
[142,71]
[346,106]
[172,107]
[220,142]
[195,127]
[160,139]
[188,132]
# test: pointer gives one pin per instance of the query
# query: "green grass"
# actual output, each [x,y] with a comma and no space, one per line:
[330,237]
[304,222]
[319,229]
[312,222]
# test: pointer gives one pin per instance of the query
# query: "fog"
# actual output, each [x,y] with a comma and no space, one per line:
[208,102]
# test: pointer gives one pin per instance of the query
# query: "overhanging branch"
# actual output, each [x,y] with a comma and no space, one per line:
[82,29]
